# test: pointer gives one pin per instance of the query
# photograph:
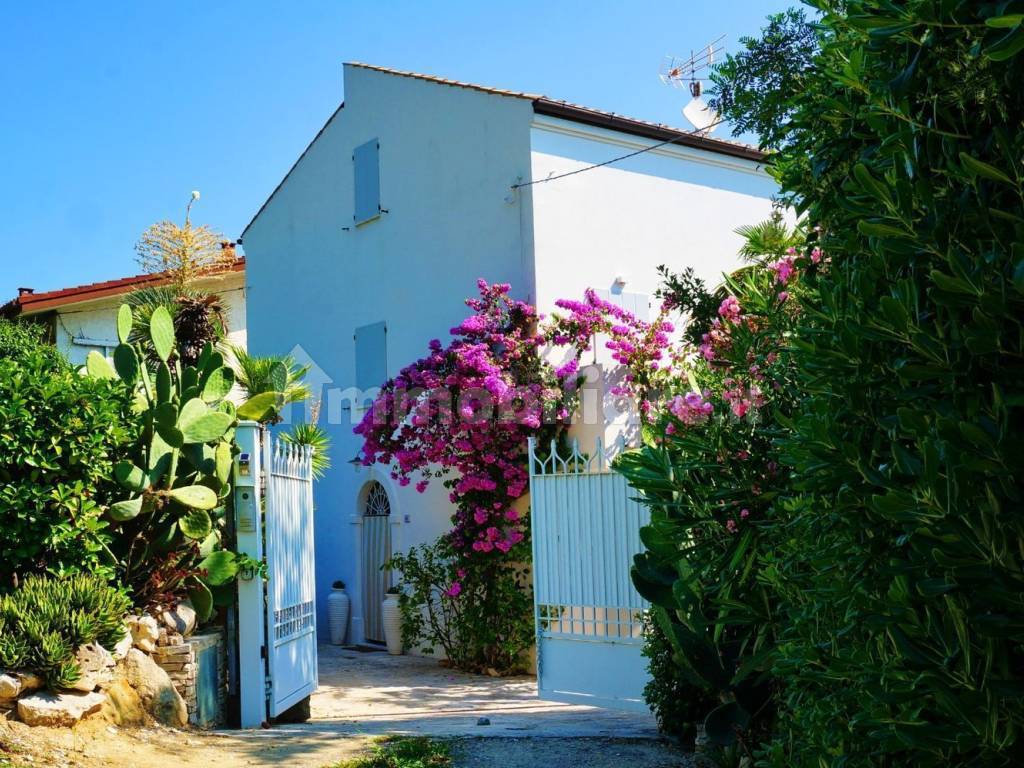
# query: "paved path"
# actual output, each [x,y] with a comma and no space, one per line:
[375,694]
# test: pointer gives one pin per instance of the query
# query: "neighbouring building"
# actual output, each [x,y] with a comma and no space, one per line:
[416,187]
[84,318]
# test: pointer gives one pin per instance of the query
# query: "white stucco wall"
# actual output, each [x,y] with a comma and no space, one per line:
[447,159]
[77,326]
[672,205]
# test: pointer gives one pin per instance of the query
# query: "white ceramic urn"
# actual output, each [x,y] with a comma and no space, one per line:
[392,619]
[337,614]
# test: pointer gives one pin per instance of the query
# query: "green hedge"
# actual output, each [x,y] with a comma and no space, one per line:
[898,130]
[60,435]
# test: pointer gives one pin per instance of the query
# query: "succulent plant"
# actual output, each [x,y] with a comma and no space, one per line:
[177,476]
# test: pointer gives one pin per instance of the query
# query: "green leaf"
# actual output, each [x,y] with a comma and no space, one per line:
[874,229]
[218,384]
[1008,46]
[261,407]
[223,461]
[952,284]
[126,510]
[199,424]
[130,476]
[97,366]
[195,496]
[278,376]
[124,323]
[127,363]
[978,168]
[202,599]
[894,312]
[220,566]
[163,383]
[195,524]
[1002,22]
[161,333]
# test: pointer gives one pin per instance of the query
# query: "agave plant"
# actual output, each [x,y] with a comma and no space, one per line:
[177,475]
[316,437]
[270,382]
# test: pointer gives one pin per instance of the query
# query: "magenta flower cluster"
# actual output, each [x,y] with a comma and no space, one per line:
[468,407]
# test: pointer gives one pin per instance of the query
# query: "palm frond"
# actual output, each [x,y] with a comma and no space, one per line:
[315,436]
[256,374]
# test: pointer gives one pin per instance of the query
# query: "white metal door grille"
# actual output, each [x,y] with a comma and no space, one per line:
[586,531]
[376,550]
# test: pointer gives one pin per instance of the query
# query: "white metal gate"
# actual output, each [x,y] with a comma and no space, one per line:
[586,530]
[277,618]
[291,582]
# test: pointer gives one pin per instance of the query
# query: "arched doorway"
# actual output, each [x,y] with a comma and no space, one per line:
[376,550]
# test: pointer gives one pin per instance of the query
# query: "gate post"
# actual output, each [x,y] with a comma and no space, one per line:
[252,674]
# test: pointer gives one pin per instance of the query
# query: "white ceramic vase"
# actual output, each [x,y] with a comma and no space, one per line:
[337,615]
[392,618]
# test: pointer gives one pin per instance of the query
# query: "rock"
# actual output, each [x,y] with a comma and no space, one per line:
[59,710]
[95,663]
[155,689]
[124,705]
[123,645]
[10,686]
[483,721]
[145,632]
[15,684]
[182,620]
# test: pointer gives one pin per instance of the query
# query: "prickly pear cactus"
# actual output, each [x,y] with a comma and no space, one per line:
[177,479]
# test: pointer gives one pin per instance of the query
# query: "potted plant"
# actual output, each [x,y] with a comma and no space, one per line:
[337,612]
[392,617]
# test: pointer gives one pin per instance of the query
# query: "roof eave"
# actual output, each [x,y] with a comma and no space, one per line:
[577,114]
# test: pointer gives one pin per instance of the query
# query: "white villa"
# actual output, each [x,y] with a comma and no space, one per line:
[416,187]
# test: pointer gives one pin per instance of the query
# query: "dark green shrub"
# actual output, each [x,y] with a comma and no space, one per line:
[486,623]
[678,705]
[60,436]
[19,339]
[900,561]
[46,619]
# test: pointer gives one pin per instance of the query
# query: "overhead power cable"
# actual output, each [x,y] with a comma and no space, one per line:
[680,137]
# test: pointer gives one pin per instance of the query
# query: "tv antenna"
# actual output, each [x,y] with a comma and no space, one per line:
[681,72]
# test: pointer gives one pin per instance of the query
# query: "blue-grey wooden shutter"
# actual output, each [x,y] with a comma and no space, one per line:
[371,355]
[366,171]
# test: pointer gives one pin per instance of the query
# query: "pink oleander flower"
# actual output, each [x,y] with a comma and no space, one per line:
[783,269]
[454,590]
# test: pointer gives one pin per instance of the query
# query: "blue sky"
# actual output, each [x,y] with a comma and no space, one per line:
[112,112]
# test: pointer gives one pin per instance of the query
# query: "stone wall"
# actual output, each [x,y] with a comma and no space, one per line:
[182,658]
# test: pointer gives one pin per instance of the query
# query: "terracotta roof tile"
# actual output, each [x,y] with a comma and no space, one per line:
[597,117]
[36,302]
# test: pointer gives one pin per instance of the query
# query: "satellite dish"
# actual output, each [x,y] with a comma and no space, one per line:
[679,72]
[701,116]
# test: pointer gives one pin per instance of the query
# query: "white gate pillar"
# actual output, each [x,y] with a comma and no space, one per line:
[252,677]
